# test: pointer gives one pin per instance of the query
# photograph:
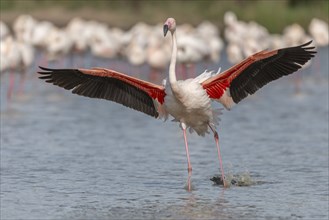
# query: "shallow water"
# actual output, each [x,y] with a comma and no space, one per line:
[70,157]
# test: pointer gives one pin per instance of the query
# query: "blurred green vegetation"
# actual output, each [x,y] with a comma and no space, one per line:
[273,14]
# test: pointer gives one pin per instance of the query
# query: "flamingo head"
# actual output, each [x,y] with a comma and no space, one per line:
[170,25]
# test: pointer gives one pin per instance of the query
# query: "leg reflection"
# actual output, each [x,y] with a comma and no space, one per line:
[188,182]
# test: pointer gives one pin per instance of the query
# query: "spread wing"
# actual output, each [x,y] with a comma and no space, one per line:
[108,84]
[253,73]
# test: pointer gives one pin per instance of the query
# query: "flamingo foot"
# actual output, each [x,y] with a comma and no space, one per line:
[11,86]
[22,83]
[220,159]
[219,156]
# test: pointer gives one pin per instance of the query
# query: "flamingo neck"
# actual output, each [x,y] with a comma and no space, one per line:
[172,67]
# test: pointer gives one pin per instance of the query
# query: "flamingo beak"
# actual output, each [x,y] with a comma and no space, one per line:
[165,29]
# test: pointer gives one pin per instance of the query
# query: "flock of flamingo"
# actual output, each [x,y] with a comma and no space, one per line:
[144,43]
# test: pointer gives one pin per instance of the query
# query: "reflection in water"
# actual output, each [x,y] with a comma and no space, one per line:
[188,185]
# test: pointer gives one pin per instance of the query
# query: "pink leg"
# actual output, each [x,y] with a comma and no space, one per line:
[183,72]
[189,167]
[219,155]
[62,62]
[153,74]
[192,70]
[11,84]
[22,81]
[44,60]
[189,186]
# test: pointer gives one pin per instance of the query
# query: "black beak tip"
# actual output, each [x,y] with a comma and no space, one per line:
[165,29]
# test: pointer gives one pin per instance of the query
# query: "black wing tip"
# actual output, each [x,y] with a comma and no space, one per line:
[308,49]
[45,71]
[306,44]
[52,70]
[45,68]
[288,61]
[304,49]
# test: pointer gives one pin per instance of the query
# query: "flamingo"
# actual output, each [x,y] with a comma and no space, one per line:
[16,57]
[187,101]
[158,55]
[23,28]
[319,30]
[4,30]
[58,44]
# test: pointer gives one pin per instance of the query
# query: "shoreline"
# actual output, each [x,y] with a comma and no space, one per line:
[114,14]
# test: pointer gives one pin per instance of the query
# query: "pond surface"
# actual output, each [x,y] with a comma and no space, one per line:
[69,157]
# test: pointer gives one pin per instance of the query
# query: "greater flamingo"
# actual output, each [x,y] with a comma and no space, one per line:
[188,101]
[16,57]
[319,30]
[4,30]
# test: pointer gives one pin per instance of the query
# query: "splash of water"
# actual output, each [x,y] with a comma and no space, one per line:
[239,179]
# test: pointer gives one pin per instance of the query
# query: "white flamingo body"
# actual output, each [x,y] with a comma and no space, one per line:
[40,33]
[23,27]
[210,35]
[136,54]
[4,50]
[15,55]
[190,104]
[10,54]
[234,53]
[136,48]
[158,58]
[294,34]
[58,44]
[320,32]
[77,32]
[105,42]
[4,30]
[191,49]
[27,54]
